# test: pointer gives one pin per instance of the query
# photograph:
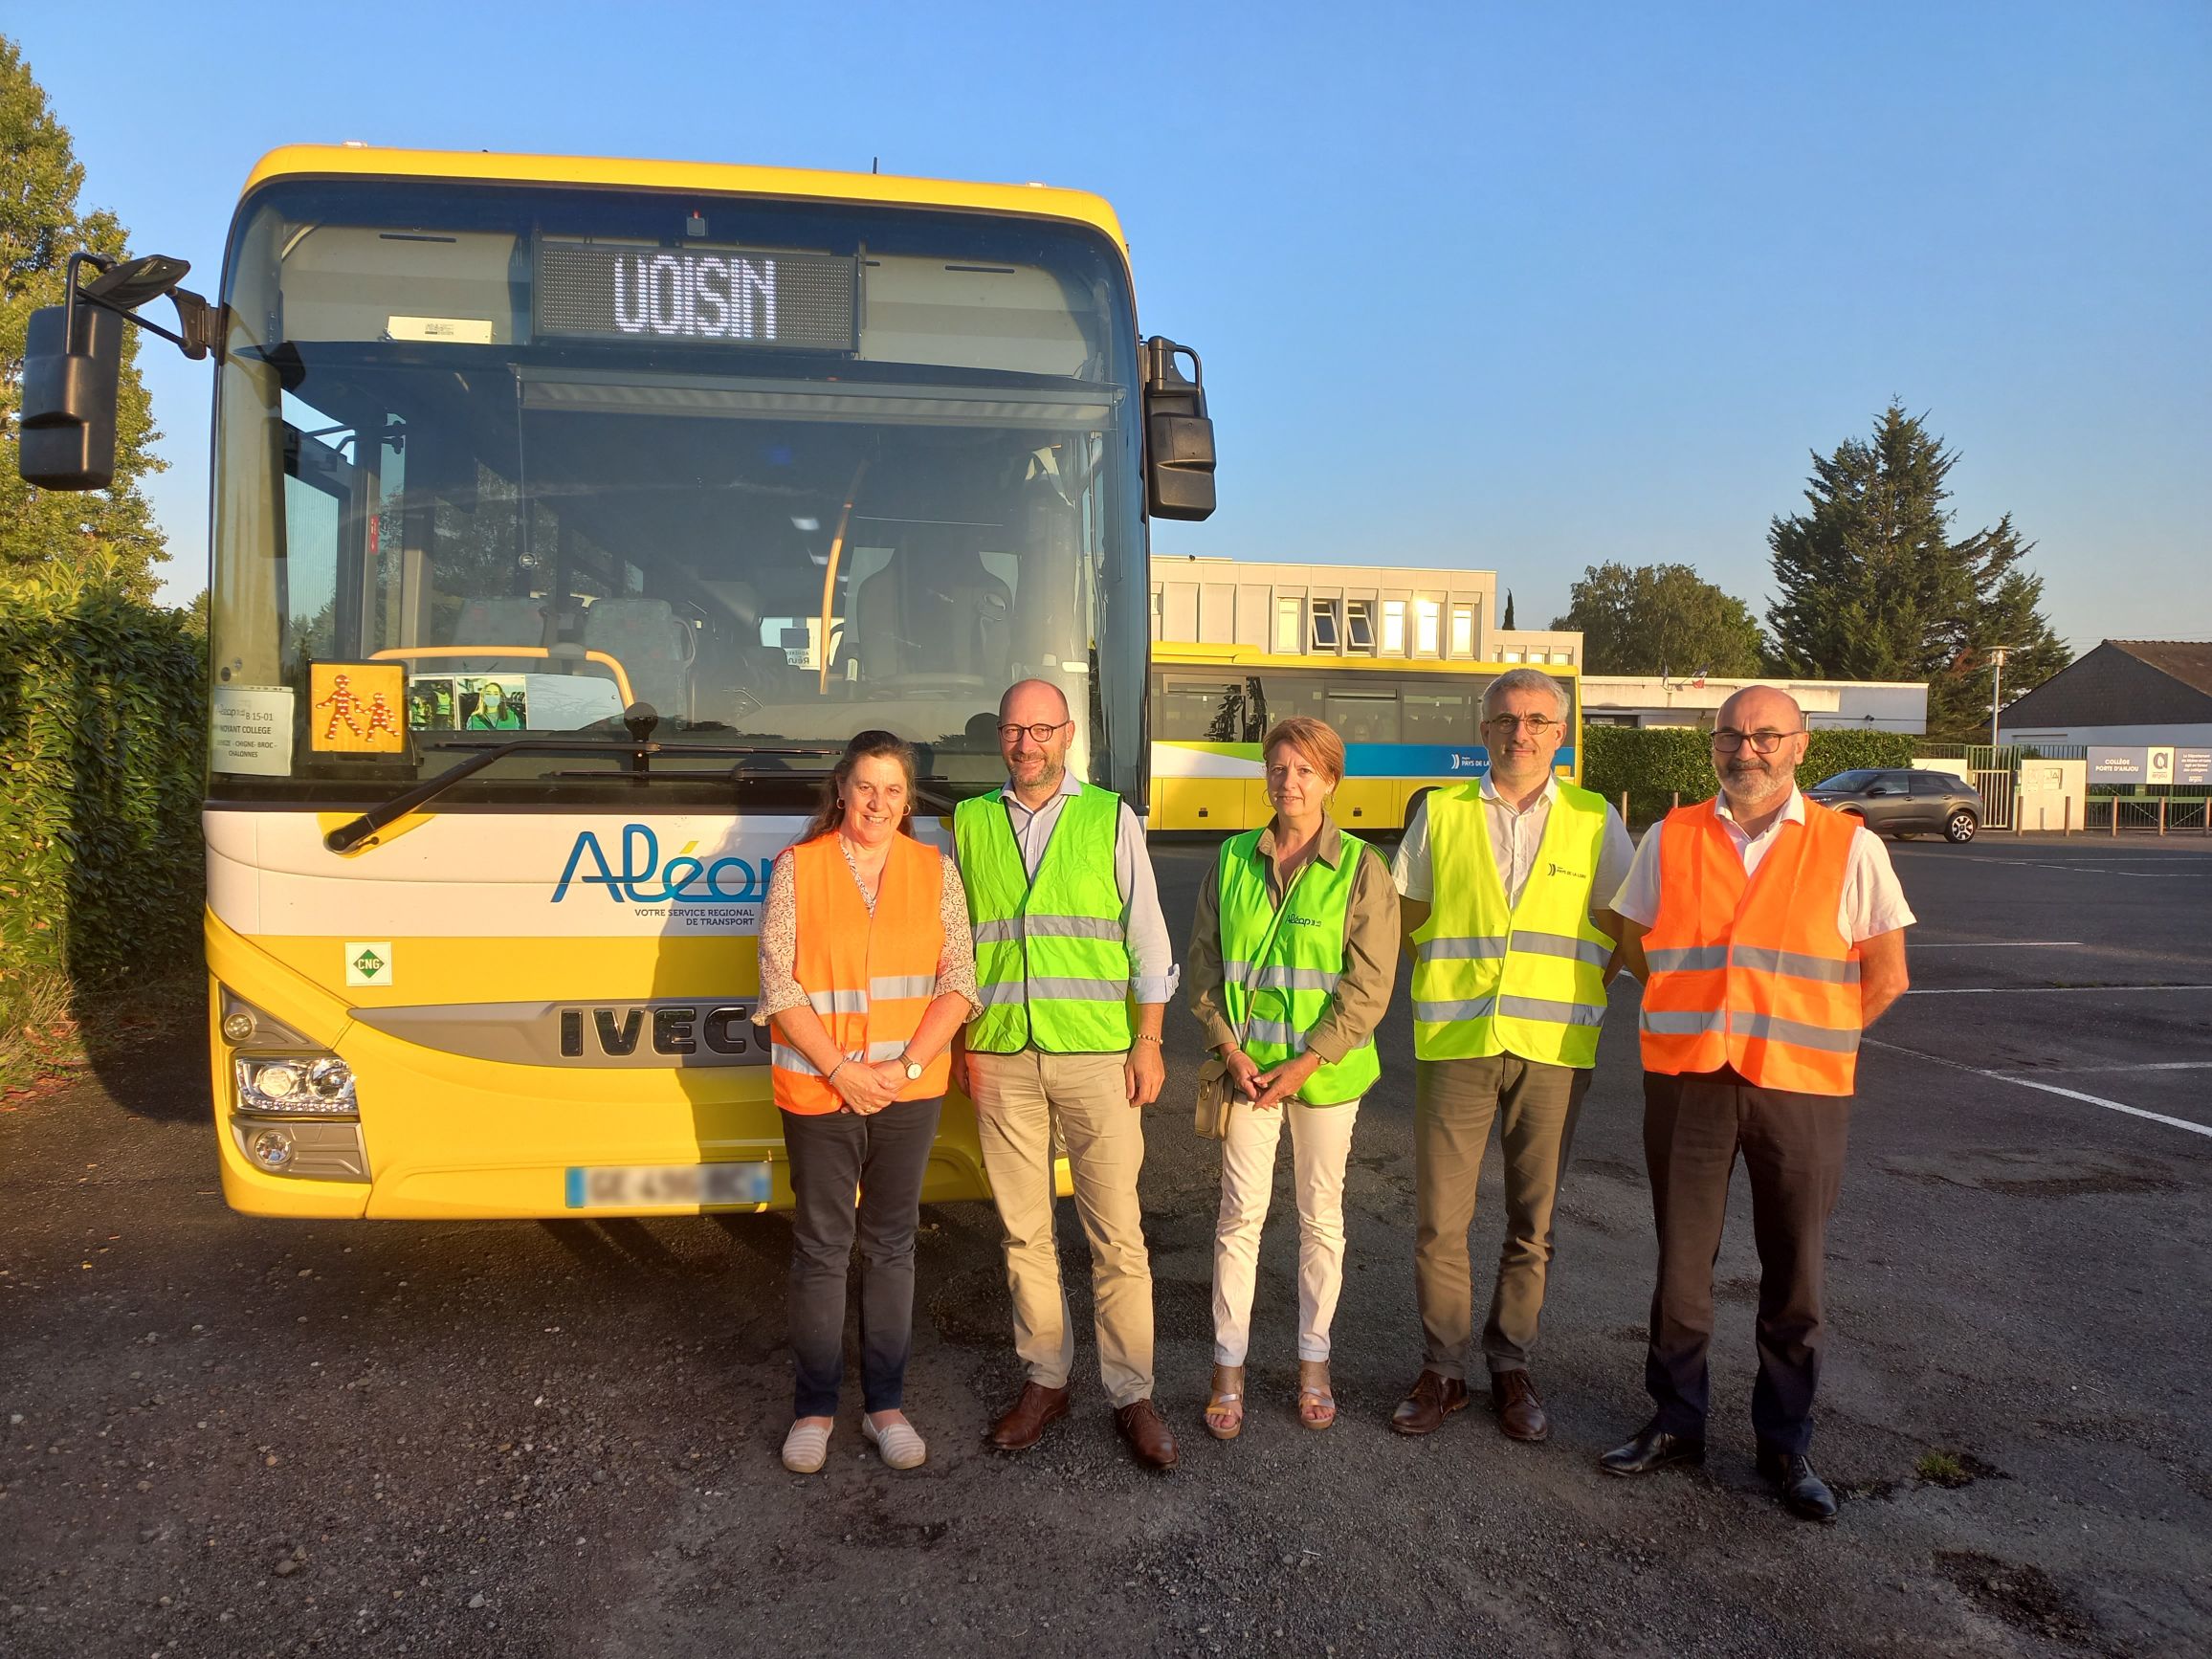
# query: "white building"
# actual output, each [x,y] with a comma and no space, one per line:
[1690,700]
[1382,611]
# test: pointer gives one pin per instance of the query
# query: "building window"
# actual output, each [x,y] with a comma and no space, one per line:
[1359,626]
[1428,617]
[1463,631]
[1508,656]
[1324,624]
[1394,627]
[1290,636]
[1159,614]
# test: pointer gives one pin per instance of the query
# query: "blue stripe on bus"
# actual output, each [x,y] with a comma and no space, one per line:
[1425,760]
[575,1193]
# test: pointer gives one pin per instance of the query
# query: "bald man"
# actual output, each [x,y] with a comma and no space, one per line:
[1769,932]
[1075,968]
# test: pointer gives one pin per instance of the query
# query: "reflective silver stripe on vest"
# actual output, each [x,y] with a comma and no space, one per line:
[1443,949]
[1765,1028]
[1797,964]
[1075,990]
[1009,929]
[895,986]
[1687,959]
[1549,1012]
[1562,945]
[790,1059]
[838,1001]
[1002,931]
[1440,1013]
[1280,979]
[1277,1032]
[1773,1029]
[1000,993]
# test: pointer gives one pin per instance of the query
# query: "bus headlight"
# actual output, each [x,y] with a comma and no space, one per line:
[271,1148]
[296,1085]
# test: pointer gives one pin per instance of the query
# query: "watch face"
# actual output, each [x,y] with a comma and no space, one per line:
[913,1071]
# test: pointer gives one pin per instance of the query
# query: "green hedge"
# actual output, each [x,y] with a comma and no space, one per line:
[1653,762]
[102,722]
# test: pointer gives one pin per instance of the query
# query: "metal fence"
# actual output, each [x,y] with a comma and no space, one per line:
[2148,816]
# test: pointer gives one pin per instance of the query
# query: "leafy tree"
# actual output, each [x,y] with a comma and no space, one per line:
[1651,617]
[1873,585]
[40,227]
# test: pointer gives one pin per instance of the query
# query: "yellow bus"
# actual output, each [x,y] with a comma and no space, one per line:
[1407,725]
[570,515]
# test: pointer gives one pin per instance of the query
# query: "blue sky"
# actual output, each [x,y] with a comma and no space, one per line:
[1523,288]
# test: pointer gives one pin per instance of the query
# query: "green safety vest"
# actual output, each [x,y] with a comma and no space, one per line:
[1275,989]
[1052,955]
[1529,979]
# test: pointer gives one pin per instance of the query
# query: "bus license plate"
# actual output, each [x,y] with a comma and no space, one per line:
[699,1183]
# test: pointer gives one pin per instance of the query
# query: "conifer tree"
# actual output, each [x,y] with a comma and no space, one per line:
[1872,585]
[111,530]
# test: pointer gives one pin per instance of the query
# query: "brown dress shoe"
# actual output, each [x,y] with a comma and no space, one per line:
[1038,1409]
[1520,1414]
[1432,1400]
[1146,1431]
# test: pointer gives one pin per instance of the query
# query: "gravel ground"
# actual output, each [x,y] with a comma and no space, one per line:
[229,1437]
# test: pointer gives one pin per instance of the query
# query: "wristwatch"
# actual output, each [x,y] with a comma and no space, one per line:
[913,1067]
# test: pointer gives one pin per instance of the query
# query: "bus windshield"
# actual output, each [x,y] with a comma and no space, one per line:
[499,461]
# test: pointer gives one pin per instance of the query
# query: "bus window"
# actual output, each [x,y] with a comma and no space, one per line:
[1208,711]
[1443,716]
[1363,717]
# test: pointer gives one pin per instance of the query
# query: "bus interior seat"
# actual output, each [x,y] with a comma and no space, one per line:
[492,623]
[934,611]
[655,646]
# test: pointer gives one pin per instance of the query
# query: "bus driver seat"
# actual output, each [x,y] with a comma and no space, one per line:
[934,611]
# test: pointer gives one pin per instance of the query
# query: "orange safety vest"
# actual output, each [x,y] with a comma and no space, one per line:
[1753,973]
[870,978]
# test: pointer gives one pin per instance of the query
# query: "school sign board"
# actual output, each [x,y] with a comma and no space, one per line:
[2151,765]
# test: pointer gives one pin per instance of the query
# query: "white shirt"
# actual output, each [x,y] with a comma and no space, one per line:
[1514,835]
[1873,902]
[1152,971]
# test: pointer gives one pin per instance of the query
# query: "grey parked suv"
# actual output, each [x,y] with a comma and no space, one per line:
[1903,804]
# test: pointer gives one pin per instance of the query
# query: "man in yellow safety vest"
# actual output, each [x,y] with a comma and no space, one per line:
[1504,887]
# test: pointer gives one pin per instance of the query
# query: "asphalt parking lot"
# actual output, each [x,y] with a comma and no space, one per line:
[232,1437]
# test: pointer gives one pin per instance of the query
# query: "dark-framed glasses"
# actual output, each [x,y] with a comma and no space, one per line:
[1536,725]
[1039,733]
[1762,743]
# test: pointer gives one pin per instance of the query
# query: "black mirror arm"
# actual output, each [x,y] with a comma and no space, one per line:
[201,322]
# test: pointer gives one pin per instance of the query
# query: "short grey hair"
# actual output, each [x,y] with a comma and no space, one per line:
[1527,680]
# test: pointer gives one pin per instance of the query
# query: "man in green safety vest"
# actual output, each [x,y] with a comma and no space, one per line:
[1505,890]
[1073,968]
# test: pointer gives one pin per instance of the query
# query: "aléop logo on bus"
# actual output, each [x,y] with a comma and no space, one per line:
[643,879]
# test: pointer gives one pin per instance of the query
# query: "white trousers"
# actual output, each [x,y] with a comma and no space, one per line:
[1320,1142]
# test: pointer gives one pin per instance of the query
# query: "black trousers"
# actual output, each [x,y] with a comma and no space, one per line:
[1793,1150]
[885,1156]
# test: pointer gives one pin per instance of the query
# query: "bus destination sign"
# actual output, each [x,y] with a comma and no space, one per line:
[798,301]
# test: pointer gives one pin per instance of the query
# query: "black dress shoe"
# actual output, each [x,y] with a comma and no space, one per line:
[1653,1447]
[1805,1492]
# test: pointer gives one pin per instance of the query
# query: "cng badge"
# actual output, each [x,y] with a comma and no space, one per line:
[369,963]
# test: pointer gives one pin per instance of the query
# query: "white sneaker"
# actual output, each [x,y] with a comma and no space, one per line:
[807,1448]
[899,1445]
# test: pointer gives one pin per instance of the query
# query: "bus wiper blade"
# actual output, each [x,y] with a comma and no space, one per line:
[354,831]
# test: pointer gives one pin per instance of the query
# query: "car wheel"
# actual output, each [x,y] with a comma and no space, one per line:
[1960,827]
[1907,835]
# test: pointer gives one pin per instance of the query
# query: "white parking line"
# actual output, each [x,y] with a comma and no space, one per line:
[2003,944]
[2048,1087]
[2037,990]
[2080,867]
[2133,1066]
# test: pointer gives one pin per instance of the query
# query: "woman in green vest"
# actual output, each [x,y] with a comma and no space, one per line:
[1289,969]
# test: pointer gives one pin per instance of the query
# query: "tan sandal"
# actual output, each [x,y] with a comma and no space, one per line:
[1225,1405]
[1316,1406]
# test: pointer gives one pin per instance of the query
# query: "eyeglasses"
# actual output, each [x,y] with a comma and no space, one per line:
[1536,725]
[1040,731]
[1728,742]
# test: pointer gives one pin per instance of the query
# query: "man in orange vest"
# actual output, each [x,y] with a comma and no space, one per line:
[1769,932]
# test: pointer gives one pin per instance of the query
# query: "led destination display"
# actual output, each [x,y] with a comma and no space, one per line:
[798,301]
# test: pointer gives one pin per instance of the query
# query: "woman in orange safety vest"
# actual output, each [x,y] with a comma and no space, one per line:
[867,972]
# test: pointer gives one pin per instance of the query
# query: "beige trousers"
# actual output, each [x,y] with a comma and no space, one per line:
[1320,1142]
[1454,1101]
[1020,1099]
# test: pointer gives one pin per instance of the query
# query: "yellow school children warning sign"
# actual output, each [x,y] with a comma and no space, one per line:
[359,708]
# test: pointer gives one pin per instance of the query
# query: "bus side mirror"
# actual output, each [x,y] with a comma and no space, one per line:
[1178,435]
[71,364]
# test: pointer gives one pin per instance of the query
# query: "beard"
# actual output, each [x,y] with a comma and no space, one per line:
[1755,785]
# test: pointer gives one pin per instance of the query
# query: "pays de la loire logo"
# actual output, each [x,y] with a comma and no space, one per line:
[643,879]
